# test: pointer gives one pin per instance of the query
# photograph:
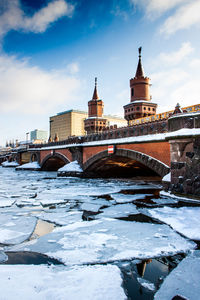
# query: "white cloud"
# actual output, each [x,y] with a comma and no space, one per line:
[175,82]
[155,8]
[174,58]
[14,17]
[30,90]
[185,17]
[73,68]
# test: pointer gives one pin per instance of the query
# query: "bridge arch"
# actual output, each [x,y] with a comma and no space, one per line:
[53,162]
[158,167]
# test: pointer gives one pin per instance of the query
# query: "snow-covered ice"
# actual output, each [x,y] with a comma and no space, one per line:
[119,210]
[91,207]
[126,198]
[61,218]
[31,165]
[183,280]
[146,284]
[10,164]
[57,282]
[167,177]
[71,167]
[15,230]
[7,202]
[3,257]
[108,240]
[185,220]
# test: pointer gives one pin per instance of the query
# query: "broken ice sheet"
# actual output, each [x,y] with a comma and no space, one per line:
[126,198]
[15,230]
[146,284]
[49,202]
[119,210]
[3,257]
[183,280]
[90,207]
[57,282]
[107,240]
[7,203]
[61,218]
[185,220]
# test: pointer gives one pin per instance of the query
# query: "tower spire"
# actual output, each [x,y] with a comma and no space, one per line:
[139,71]
[95,94]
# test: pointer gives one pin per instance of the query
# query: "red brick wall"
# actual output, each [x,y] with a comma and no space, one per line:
[64,152]
[158,150]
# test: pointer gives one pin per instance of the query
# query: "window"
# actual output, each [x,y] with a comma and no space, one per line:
[138,108]
[149,108]
[144,108]
[132,92]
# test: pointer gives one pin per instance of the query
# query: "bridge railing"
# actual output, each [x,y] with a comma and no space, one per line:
[114,133]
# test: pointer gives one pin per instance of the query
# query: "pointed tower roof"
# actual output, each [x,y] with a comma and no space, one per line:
[139,71]
[95,94]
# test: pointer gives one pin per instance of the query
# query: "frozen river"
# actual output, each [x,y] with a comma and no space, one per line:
[72,238]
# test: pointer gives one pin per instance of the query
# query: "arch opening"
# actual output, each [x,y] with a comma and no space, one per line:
[54,162]
[125,164]
[121,167]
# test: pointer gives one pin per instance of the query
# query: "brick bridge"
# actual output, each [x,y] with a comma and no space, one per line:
[135,151]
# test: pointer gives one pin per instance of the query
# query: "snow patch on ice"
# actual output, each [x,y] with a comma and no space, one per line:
[71,167]
[17,231]
[41,282]
[185,220]
[9,164]
[167,177]
[31,165]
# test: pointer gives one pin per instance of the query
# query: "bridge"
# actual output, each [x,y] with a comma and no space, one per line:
[130,154]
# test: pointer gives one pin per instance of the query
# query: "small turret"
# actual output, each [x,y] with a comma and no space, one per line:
[95,121]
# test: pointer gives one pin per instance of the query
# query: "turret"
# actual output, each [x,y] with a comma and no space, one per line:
[140,100]
[95,121]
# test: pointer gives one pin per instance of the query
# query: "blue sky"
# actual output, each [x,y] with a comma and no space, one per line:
[51,50]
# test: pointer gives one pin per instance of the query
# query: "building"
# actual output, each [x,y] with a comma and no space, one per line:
[67,123]
[38,135]
[140,104]
[71,123]
[95,121]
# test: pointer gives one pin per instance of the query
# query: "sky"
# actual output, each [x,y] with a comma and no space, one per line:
[51,51]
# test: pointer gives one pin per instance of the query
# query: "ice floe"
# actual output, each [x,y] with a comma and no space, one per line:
[119,210]
[183,280]
[7,203]
[185,220]
[146,284]
[71,167]
[108,240]
[57,282]
[31,165]
[9,164]
[126,198]
[15,230]
[3,257]
[61,218]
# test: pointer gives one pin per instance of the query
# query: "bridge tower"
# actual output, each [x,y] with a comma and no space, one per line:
[95,121]
[140,100]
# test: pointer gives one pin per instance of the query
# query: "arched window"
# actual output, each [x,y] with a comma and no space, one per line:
[132,92]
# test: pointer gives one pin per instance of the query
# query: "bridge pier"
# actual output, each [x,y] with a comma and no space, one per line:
[185,154]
